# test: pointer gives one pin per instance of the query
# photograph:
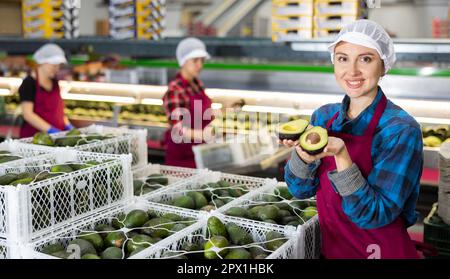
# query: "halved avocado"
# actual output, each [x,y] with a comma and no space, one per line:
[292,130]
[314,140]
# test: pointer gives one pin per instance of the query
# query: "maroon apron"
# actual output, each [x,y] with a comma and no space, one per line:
[341,238]
[49,106]
[181,154]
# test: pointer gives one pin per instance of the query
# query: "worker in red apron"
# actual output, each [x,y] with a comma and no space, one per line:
[186,105]
[40,98]
[367,178]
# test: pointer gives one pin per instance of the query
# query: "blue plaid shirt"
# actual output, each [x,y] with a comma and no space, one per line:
[392,187]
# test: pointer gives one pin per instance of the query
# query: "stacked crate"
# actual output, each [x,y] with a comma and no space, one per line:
[122,20]
[50,18]
[331,16]
[296,20]
[141,19]
[292,20]
[150,19]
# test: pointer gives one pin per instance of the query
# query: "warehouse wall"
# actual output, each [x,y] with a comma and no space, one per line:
[410,20]
[91,11]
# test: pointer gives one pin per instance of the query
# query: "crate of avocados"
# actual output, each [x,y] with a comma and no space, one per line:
[273,204]
[98,139]
[46,192]
[222,237]
[120,232]
[14,151]
[154,177]
[211,191]
[437,233]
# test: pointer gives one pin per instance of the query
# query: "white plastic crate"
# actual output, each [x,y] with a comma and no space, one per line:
[326,33]
[309,239]
[126,141]
[70,232]
[332,7]
[173,174]
[293,35]
[293,8]
[29,212]
[299,22]
[333,22]
[19,149]
[256,197]
[183,187]
[197,233]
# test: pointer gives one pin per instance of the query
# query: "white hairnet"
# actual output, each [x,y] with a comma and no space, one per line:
[50,54]
[369,34]
[191,48]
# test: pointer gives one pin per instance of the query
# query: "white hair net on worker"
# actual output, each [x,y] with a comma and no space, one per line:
[369,34]
[191,48]
[50,54]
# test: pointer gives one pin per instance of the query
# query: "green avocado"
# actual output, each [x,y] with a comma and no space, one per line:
[199,199]
[283,191]
[67,141]
[172,216]
[184,202]
[22,181]
[85,246]
[237,212]
[216,227]
[93,238]
[112,253]
[314,140]
[215,242]
[158,227]
[4,159]
[238,235]
[90,257]
[274,240]
[61,254]
[115,239]
[73,132]
[139,241]
[104,229]
[158,179]
[42,138]
[52,248]
[61,168]
[238,254]
[268,212]
[292,130]
[8,178]
[135,218]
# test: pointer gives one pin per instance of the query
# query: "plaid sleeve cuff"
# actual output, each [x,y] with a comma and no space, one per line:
[347,181]
[302,169]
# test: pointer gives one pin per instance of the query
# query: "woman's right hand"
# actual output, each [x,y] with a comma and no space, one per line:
[302,154]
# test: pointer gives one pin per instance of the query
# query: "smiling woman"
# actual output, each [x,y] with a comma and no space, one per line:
[367,178]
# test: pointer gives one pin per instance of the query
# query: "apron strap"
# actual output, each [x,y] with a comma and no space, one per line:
[376,116]
[332,120]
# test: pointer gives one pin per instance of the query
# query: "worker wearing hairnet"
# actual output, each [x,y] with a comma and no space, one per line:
[41,102]
[367,178]
[186,105]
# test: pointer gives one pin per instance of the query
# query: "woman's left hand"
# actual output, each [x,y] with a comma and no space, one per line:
[334,147]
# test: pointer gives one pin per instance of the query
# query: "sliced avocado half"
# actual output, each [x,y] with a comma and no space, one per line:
[314,140]
[292,130]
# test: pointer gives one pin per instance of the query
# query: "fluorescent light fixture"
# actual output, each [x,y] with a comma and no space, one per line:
[150,101]
[427,71]
[5,92]
[98,98]
[291,111]
[216,105]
